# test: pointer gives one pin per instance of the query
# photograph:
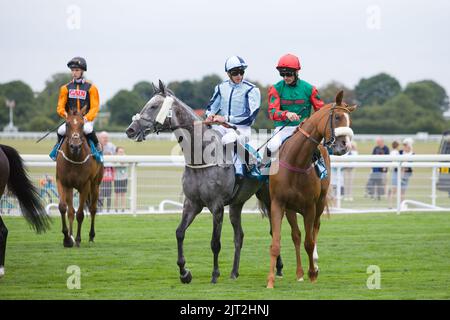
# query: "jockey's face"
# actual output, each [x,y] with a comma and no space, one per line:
[236,75]
[77,73]
[289,78]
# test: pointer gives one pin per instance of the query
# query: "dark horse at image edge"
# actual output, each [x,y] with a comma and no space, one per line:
[14,176]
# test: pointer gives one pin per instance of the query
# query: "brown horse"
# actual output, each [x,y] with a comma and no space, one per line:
[296,186]
[76,168]
[13,175]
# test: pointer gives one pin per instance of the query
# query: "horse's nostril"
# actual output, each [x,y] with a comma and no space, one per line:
[129,132]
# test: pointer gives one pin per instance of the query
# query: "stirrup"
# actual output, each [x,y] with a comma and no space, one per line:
[321,168]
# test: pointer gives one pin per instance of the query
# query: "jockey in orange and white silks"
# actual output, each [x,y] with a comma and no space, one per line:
[77,94]
[237,102]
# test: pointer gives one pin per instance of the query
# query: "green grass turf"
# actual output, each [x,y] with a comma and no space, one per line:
[135,258]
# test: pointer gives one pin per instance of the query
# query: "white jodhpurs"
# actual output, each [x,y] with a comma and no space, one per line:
[230,136]
[279,136]
[88,127]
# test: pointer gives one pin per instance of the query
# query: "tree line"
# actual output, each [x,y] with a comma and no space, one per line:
[384,106]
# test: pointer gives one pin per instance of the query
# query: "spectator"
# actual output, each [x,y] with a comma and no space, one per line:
[406,171]
[120,183]
[108,173]
[108,147]
[393,187]
[377,180]
[349,175]
[48,189]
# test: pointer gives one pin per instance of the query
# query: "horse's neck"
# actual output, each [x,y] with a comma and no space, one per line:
[189,132]
[298,150]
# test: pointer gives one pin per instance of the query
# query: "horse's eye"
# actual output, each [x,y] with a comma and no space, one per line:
[337,117]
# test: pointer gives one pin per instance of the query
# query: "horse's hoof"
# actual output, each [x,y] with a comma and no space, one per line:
[234,276]
[68,243]
[186,277]
[269,286]
[313,275]
[77,244]
[300,279]
[279,274]
[2,271]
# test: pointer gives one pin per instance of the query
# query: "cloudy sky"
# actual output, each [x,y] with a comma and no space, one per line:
[129,41]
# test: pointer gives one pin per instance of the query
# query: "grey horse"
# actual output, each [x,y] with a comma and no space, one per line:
[208,180]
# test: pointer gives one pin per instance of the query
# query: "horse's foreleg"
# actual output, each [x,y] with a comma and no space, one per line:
[3,236]
[309,218]
[93,209]
[80,213]
[264,197]
[190,211]
[277,212]
[235,218]
[297,240]
[68,241]
[217,212]
[70,210]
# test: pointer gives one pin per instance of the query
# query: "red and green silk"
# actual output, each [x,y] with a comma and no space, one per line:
[298,99]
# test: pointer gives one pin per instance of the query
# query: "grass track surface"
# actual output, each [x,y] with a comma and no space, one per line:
[135,258]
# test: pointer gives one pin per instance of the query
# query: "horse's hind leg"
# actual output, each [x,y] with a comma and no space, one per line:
[235,218]
[190,211]
[277,213]
[217,212]
[93,210]
[3,236]
[296,238]
[68,241]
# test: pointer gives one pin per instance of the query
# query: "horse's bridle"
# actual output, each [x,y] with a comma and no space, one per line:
[328,144]
[157,126]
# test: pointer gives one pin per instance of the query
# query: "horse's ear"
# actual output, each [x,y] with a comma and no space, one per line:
[339,97]
[161,87]
[83,111]
[154,88]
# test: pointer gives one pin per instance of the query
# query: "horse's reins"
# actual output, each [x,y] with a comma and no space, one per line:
[308,136]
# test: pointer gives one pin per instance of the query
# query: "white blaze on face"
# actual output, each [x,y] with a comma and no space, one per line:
[164,111]
[75,122]
[345,130]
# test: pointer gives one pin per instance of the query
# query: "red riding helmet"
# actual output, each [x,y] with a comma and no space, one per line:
[289,61]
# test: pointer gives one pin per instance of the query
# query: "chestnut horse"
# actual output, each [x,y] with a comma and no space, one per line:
[77,168]
[13,175]
[296,186]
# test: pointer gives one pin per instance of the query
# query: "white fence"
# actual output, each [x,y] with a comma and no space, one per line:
[154,185]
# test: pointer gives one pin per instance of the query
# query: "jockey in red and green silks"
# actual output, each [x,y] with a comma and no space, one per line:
[290,101]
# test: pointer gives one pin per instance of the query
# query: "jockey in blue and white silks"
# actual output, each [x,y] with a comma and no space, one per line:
[237,102]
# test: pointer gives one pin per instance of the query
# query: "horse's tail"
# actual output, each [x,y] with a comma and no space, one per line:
[21,186]
[263,202]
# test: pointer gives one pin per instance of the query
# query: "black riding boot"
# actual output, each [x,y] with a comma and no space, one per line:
[93,137]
